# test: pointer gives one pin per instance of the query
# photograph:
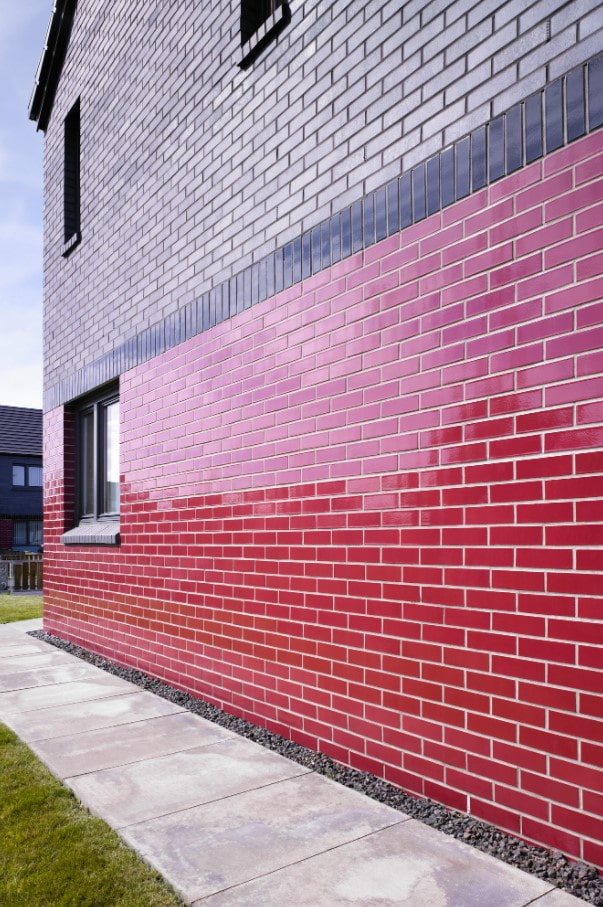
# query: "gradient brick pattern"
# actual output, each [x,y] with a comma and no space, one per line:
[193,169]
[367,513]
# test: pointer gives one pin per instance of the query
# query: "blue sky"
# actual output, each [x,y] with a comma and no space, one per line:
[22,31]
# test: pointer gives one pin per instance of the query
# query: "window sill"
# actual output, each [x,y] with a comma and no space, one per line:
[70,244]
[93,533]
[267,33]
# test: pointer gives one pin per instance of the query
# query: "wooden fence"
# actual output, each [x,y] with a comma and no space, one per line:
[24,571]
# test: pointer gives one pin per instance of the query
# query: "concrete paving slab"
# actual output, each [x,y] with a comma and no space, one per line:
[407,863]
[92,751]
[98,687]
[89,715]
[155,787]
[21,626]
[9,648]
[23,680]
[29,661]
[213,847]
[557,898]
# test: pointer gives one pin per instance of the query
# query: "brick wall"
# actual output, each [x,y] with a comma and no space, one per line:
[192,169]
[6,533]
[366,513]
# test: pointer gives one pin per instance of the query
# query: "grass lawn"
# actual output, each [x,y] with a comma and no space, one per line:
[19,607]
[53,853]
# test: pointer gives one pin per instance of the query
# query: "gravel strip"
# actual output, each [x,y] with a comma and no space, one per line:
[579,879]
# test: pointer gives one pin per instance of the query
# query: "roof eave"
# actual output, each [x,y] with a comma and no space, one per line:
[51,62]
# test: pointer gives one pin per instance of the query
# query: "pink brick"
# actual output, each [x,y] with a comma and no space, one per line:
[363,500]
[574,296]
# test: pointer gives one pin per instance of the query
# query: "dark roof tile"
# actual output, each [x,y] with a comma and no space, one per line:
[20,430]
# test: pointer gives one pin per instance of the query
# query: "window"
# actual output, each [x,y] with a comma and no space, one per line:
[27,476]
[98,436]
[261,23]
[96,471]
[27,533]
[71,182]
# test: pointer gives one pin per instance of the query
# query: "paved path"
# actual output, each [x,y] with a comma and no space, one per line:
[223,819]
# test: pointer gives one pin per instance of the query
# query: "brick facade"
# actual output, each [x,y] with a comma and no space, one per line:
[366,512]
[193,170]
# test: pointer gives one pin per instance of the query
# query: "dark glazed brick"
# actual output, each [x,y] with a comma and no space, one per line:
[418,192]
[306,256]
[270,278]
[513,139]
[279,277]
[346,232]
[380,215]
[247,288]
[595,92]
[325,244]
[496,148]
[574,104]
[297,269]
[356,226]
[433,185]
[288,265]
[368,215]
[462,168]
[533,127]
[478,159]
[316,250]
[255,283]
[393,207]
[336,238]
[262,282]
[405,200]
[447,176]
[240,293]
[553,112]
[233,296]
[205,309]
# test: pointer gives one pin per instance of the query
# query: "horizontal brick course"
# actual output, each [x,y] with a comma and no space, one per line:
[371,520]
[191,174]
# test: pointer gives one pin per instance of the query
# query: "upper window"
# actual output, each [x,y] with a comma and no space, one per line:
[261,22]
[27,476]
[71,180]
[98,460]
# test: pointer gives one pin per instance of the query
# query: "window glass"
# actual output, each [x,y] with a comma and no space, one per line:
[35,476]
[35,532]
[111,458]
[18,475]
[20,532]
[87,454]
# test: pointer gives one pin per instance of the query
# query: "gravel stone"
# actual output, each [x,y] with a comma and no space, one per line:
[579,879]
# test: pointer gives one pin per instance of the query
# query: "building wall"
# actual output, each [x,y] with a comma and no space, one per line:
[192,169]
[23,502]
[6,536]
[366,512]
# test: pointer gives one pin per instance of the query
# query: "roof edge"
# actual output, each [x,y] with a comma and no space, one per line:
[51,62]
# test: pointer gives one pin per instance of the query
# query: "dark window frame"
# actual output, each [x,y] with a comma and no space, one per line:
[261,23]
[26,486]
[96,407]
[39,532]
[71,180]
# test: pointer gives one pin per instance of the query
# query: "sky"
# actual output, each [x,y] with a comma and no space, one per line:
[22,31]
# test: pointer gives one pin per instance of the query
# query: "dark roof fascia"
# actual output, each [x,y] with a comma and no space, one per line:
[51,62]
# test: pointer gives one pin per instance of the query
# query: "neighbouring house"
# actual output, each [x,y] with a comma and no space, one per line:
[20,478]
[324,379]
